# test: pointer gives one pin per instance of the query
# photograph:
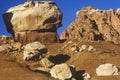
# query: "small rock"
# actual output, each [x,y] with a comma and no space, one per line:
[73,79]
[61,71]
[75,48]
[82,48]
[45,62]
[33,49]
[86,76]
[5,47]
[16,46]
[107,70]
[90,48]
[42,69]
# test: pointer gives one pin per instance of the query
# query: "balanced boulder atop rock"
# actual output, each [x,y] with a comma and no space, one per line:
[37,22]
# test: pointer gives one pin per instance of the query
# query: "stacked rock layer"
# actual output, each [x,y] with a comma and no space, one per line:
[35,21]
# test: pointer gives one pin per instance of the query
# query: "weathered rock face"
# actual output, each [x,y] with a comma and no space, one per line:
[93,24]
[32,20]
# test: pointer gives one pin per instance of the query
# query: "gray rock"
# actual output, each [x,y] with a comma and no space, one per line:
[107,70]
[33,49]
[61,71]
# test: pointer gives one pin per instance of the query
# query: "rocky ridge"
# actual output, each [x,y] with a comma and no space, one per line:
[92,24]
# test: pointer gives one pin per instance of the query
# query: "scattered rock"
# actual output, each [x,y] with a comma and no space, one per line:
[107,70]
[5,39]
[38,22]
[90,48]
[83,47]
[75,48]
[45,62]
[86,76]
[33,50]
[6,47]
[16,46]
[61,71]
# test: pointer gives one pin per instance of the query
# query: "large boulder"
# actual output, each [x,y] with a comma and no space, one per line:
[107,70]
[35,18]
[61,71]
[93,24]
[33,50]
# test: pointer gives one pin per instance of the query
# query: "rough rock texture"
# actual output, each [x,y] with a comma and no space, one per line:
[61,71]
[34,20]
[5,47]
[107,70]
[5,39]
[45,62]
[93,24]
[33,50]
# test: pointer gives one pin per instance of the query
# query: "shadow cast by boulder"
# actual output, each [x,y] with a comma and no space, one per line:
[63,40]
[78,75]
[42,72]
[61,58]
[7,20]
[38,71]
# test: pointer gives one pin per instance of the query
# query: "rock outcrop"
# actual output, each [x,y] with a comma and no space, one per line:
[93,24]
[36,21]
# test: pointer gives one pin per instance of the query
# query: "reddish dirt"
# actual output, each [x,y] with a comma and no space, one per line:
[106,52]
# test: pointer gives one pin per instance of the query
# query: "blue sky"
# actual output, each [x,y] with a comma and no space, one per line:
[68,8]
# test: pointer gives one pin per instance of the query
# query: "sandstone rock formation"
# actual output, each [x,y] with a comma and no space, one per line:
[36,21]
[93,24]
